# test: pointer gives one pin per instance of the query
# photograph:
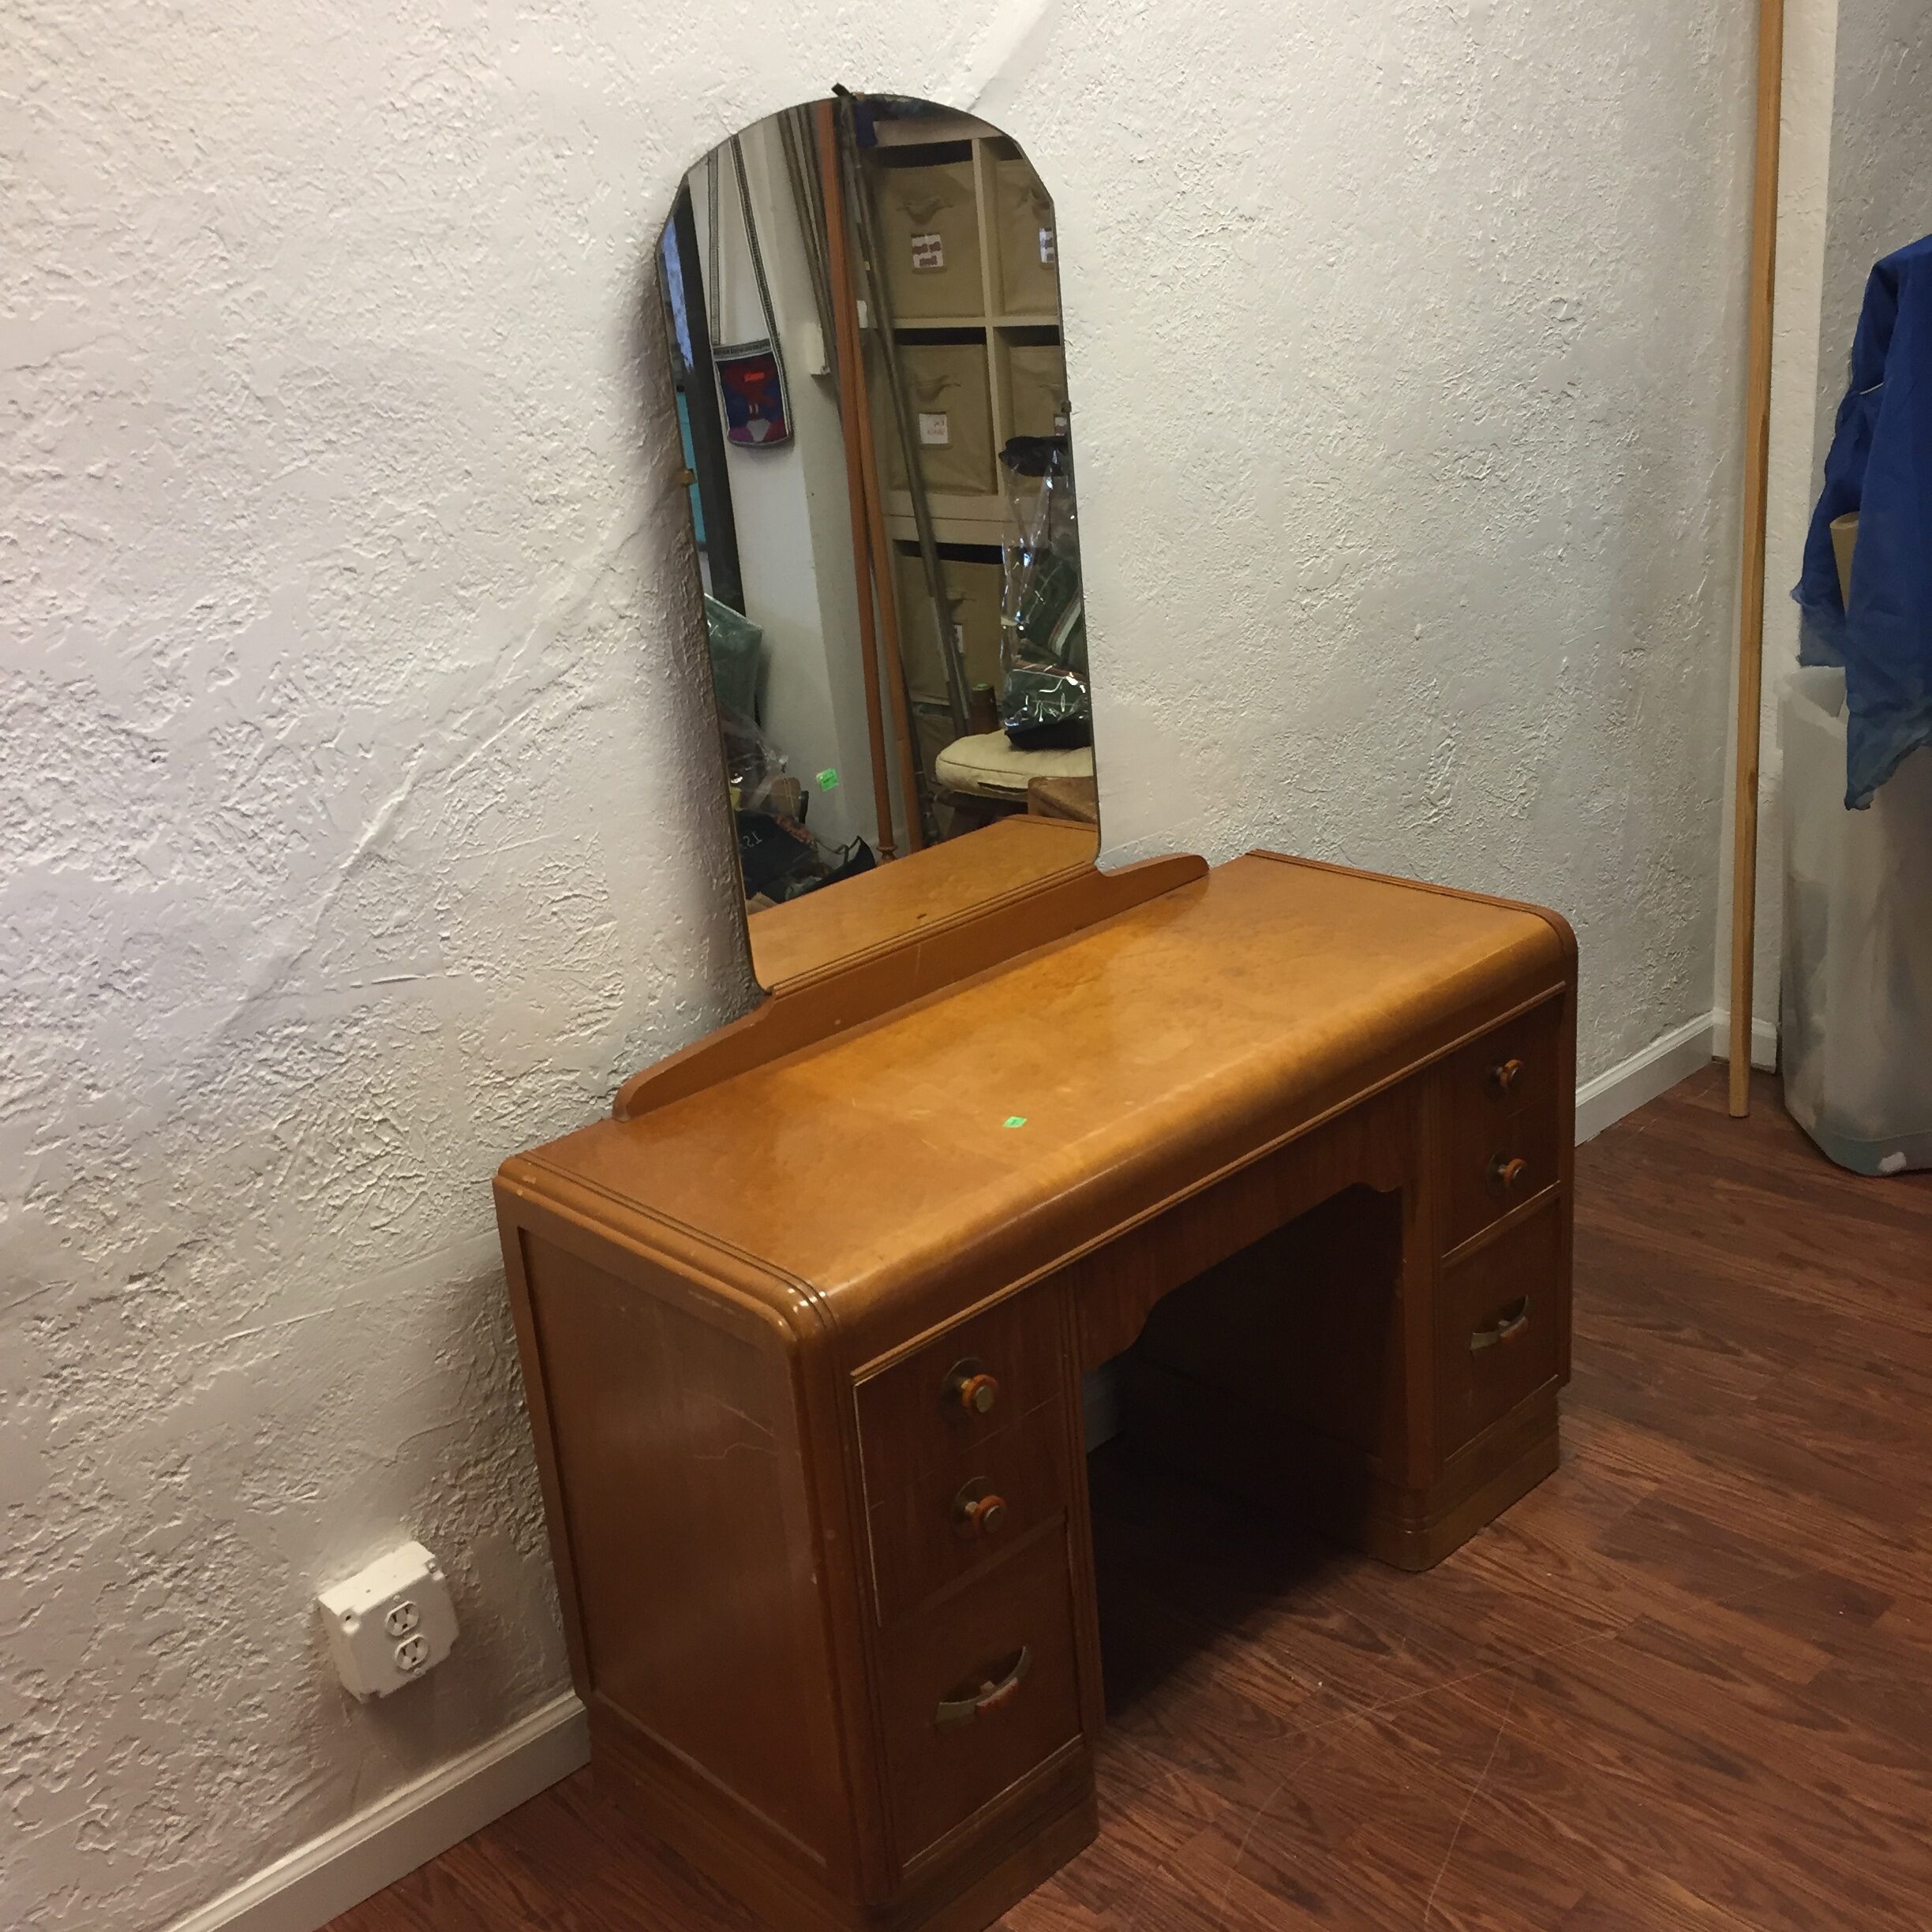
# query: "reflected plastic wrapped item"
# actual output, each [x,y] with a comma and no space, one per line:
[735,643]
[756,768]
[1045,701]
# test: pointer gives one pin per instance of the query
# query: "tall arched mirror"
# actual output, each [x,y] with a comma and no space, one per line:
[862,301]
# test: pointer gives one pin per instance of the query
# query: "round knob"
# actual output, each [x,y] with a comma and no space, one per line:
[978,1393]
[980,1510]
[1505,1074]
[967,1383]
[1507,1175]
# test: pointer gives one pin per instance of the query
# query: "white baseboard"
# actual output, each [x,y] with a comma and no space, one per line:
[1602,1101]
[361,1856]
[1763,1041]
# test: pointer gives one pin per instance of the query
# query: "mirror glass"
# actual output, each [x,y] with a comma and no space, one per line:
[862,301]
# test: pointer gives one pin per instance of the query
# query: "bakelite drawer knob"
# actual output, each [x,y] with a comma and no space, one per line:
[971,1387]
[1506,1176]
[980,1699]
[979,1393]
[1504,1075]
[978,1510]
[1507,1325]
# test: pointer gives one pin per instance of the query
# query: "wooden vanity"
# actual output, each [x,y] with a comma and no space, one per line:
[803,1338]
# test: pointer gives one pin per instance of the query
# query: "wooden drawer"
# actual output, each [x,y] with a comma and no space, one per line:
[914,1427]
[950,1523]
[1499,1116]
[1498,1326]
[979,1693]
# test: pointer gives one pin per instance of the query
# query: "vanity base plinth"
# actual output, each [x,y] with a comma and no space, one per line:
[963,1893]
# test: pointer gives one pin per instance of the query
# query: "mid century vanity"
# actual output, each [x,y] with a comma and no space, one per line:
[803,1328]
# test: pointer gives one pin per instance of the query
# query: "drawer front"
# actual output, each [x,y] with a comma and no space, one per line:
[1498,1326]
[954,1521]
[921,1419]
[1499,1116]
[979,1693]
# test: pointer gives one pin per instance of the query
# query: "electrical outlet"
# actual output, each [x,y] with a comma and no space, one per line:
[391,1623]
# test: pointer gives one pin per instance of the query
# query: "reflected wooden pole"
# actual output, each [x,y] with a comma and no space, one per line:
[1757,471]
[881,560]
[852,393]
[888,627]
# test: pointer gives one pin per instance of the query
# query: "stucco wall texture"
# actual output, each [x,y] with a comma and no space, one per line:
[354,830]
[1881,170]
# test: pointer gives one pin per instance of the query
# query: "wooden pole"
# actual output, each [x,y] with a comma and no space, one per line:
[889,631]
[852,393]
[881,561]
[1751,599]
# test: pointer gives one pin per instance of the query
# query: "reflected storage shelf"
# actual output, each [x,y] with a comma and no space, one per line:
[971,263]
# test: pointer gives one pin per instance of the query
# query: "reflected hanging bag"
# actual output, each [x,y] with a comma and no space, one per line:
[751,375]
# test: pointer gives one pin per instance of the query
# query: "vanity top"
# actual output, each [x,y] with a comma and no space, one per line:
[998,1127]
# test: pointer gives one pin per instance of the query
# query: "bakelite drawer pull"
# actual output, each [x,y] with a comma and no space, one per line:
[978,1511]
[967,1383]
[962,1709]
[1504,1075]
[1507,1326]
[1506,1176]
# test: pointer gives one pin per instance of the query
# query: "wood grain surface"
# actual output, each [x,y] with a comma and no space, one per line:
[1687,1683]
[1078,1086]
[837,958]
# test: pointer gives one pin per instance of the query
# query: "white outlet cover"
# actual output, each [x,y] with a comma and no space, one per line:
[391,1623]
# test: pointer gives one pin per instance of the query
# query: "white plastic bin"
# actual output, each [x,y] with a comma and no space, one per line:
[1857,992]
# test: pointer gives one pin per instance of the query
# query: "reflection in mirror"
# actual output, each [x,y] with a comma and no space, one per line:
[863,300]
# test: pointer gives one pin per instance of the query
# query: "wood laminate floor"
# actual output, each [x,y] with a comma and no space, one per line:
[1687,1683]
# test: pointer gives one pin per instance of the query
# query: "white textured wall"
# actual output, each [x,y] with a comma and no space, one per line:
[1881,171]
[351,830]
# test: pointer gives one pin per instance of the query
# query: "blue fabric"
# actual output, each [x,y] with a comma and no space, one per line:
[1881,466]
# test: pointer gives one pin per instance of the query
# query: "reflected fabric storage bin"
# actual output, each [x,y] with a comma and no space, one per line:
[1029,251]
[1036,386]
[946,396]
[1857,980]
[929,236]
[974,588]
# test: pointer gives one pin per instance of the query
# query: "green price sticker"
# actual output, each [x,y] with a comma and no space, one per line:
[828,780]
[1015,1120]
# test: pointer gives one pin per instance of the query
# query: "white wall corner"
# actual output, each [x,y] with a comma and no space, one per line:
[350,1861]
[1763,1041]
